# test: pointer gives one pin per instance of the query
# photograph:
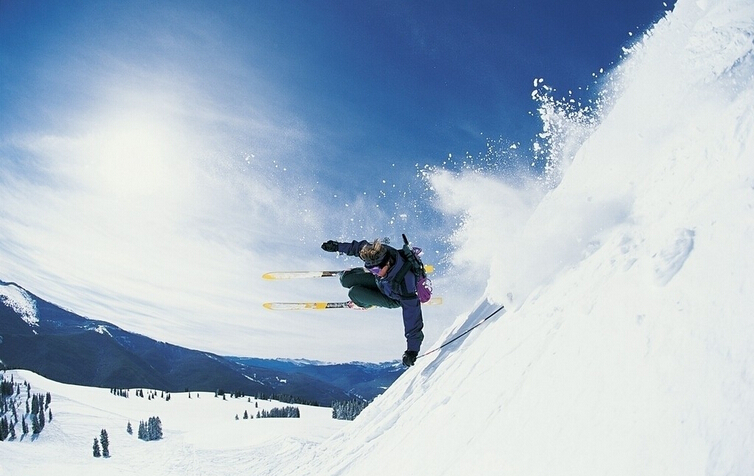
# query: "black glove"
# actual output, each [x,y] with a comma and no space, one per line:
[330,246]
[409,357]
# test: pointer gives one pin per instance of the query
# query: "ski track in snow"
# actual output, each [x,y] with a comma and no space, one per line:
[669,260]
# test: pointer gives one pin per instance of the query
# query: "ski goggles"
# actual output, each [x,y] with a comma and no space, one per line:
[376,269]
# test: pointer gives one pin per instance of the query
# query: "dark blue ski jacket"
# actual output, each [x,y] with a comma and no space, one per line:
[403,293]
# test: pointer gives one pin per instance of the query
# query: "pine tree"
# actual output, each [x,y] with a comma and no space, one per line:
[286,412]
[155,428]
[4,429]
[151,430]
[105,443]
[129,429]
[95,449]
[35,428]
[347,410]
[41,419]
[6,388]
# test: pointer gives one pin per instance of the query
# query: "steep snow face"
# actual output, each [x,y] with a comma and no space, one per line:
[21,302]
[628,343]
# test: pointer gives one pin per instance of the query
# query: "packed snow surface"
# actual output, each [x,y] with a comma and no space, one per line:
[201,434]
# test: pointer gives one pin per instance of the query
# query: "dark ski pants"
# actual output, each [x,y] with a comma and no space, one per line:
[363,290]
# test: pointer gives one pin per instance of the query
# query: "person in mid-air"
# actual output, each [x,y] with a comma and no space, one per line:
[383,282]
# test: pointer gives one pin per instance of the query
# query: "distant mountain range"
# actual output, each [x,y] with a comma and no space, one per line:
[39,336]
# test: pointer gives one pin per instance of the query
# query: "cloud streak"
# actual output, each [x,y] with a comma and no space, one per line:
[155,202]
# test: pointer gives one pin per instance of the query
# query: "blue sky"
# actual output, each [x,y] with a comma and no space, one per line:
[371,80]
[158,157]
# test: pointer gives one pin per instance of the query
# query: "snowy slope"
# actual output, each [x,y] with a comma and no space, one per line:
[628,343]
[201,434]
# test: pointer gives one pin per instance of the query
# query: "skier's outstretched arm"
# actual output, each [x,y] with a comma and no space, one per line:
[350,249]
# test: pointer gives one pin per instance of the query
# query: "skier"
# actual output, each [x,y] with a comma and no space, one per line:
[381,283]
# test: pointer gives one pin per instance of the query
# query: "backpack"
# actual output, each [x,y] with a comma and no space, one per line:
[412,262]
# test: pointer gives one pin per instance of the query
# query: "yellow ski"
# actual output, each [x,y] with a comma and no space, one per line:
[275,275]
[319,305]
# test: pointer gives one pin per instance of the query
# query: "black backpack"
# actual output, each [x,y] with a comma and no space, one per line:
[413,263]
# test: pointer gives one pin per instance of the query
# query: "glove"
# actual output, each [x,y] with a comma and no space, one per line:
[330,246]
[409,357]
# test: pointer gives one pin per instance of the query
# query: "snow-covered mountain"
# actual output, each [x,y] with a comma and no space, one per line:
[627,343]
[61,345]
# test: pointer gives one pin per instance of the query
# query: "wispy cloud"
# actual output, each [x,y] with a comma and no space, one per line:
[169,166]
[156,201]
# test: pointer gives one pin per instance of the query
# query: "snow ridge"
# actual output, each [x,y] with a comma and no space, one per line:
[21,302]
